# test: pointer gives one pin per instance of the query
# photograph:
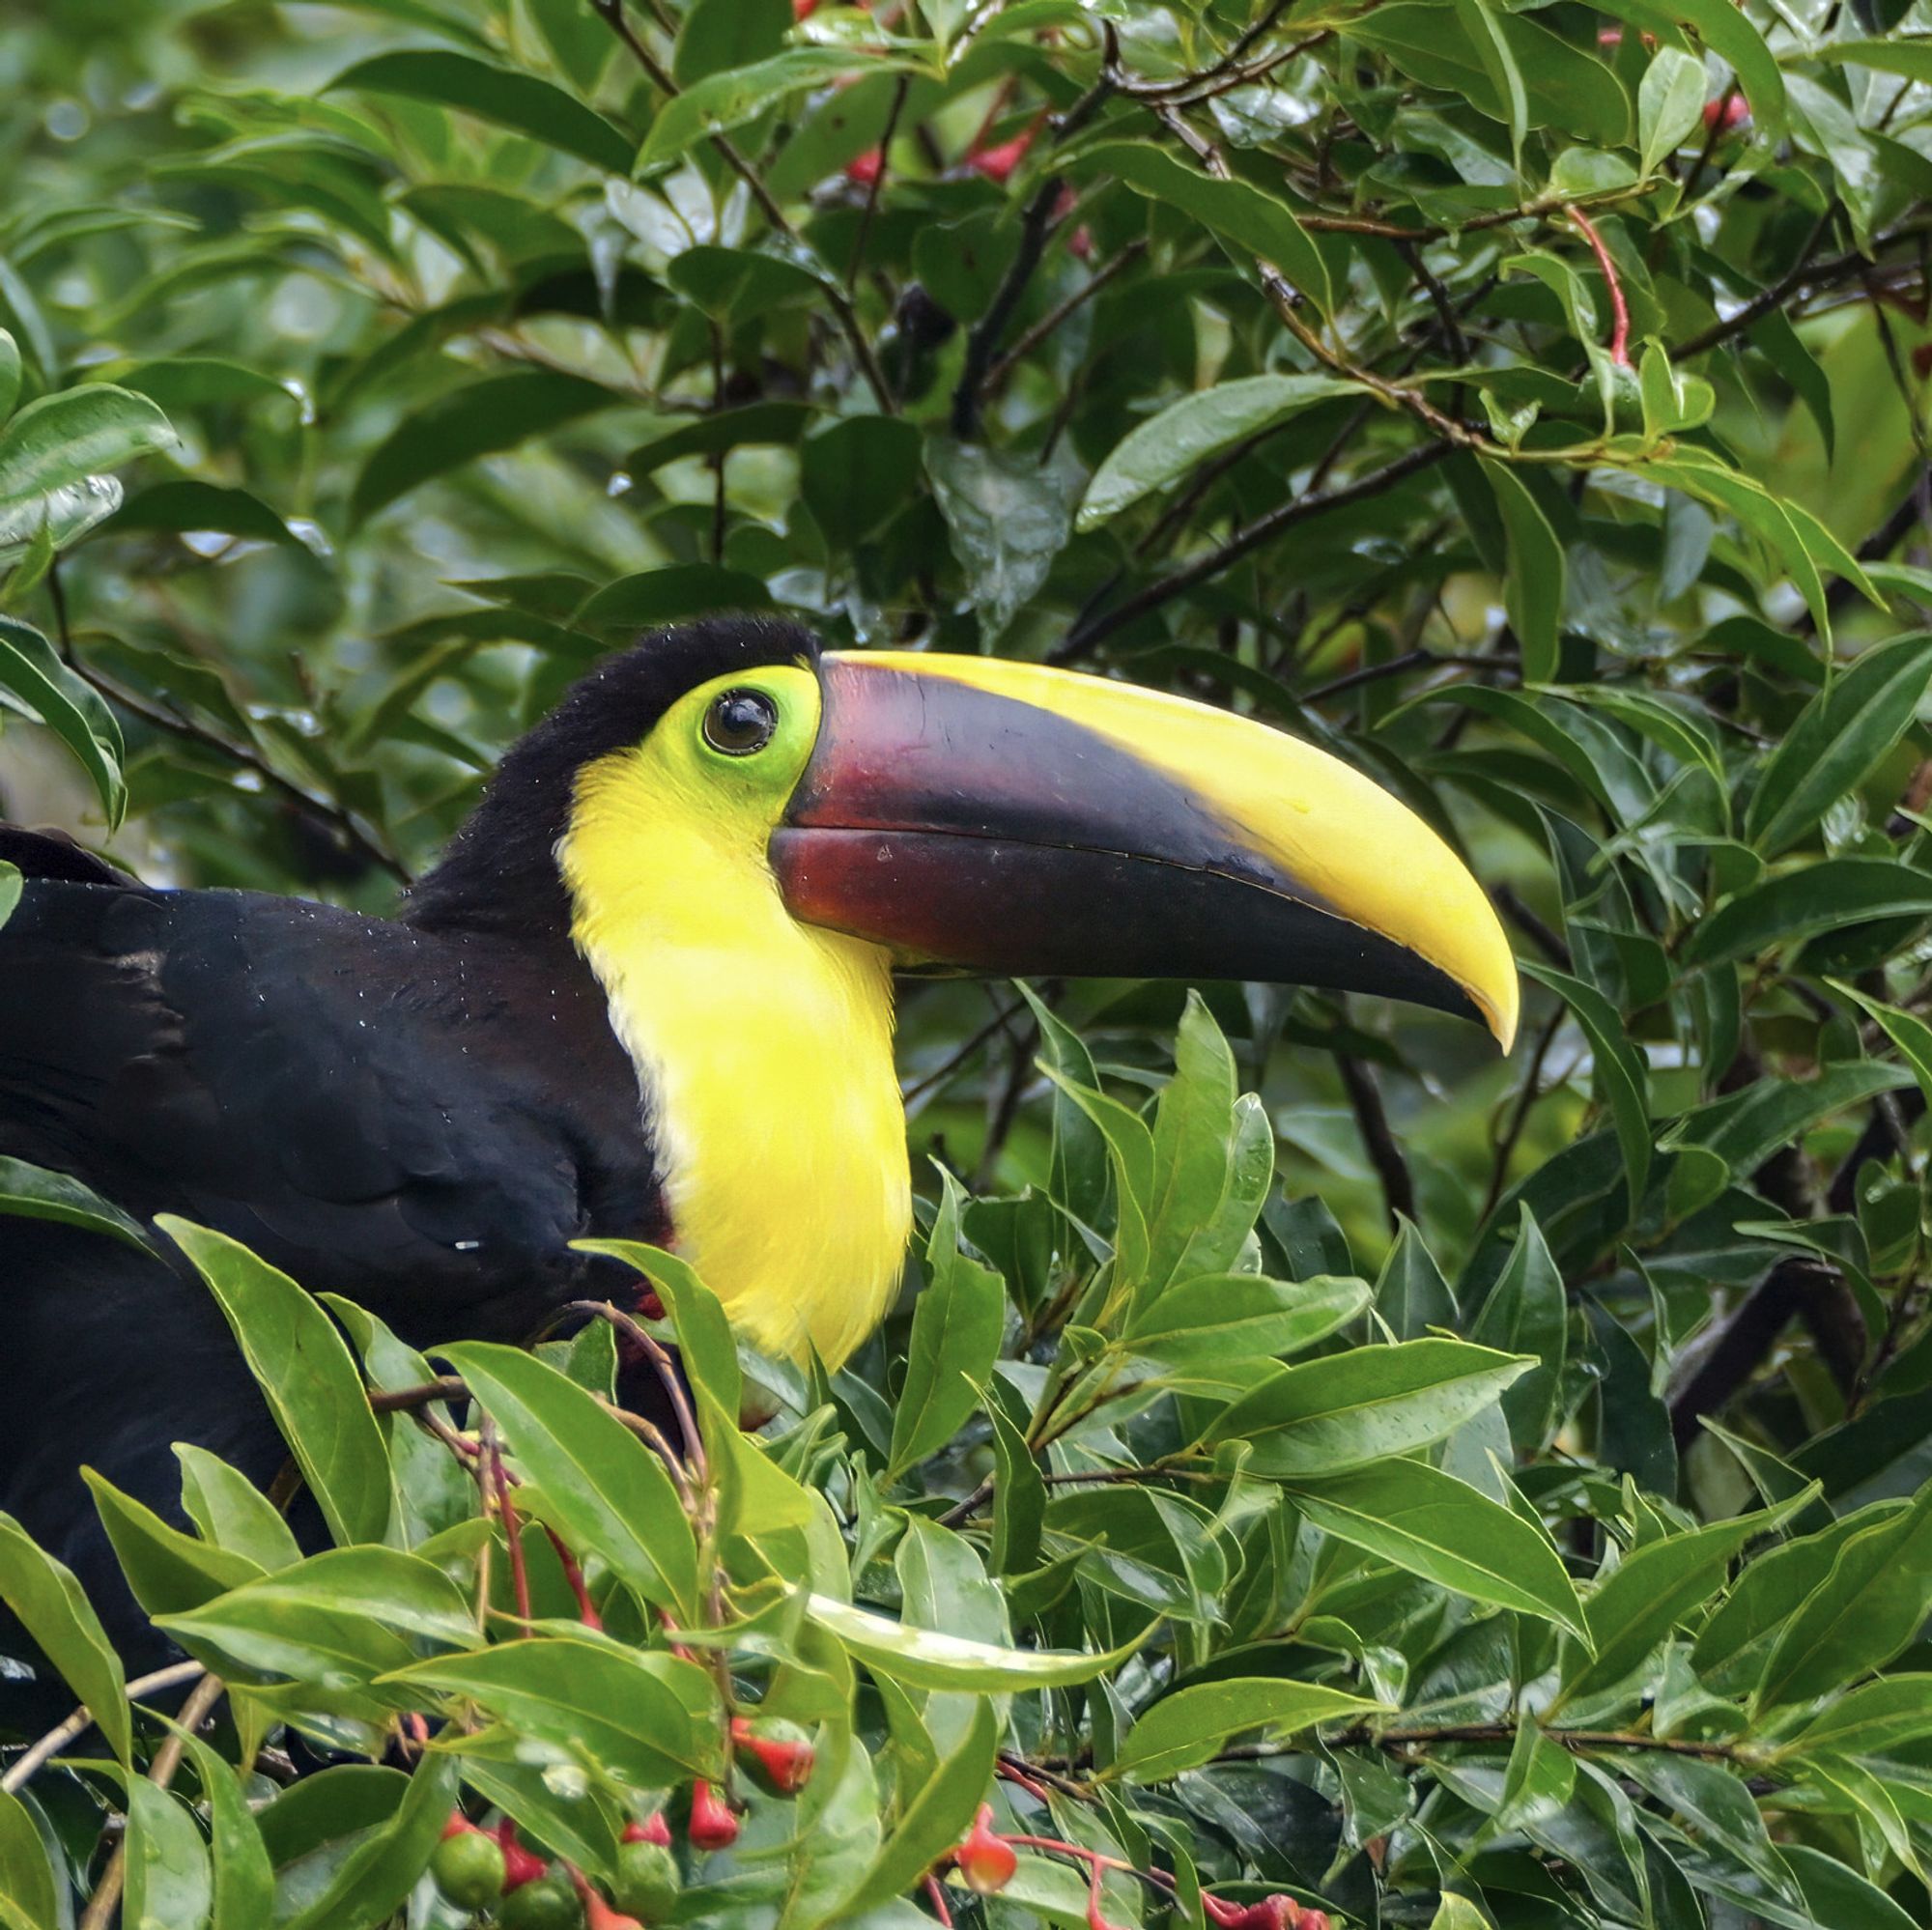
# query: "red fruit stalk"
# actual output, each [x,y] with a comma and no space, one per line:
[459,1825]
[712,1827]
[652,1830]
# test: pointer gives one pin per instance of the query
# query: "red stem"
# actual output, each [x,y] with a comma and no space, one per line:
[935,1894]
[572,1573]
[1620,320]
[506,1513]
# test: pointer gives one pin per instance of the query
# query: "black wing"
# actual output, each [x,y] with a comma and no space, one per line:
[420,1120]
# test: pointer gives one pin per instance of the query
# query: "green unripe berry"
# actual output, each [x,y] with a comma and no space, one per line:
[648,1881]
[468,1870]
[549,1903]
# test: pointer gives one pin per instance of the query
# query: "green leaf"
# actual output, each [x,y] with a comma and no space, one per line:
[1652,1589]
[706,1349]
[1622,1073]
[655,597]
[1837,740]
[244,1879]
[36,1194]
[1184,1730]
[49,1604]
[306,1372]
[26,1876]
[500,95]
[378,1873]
[1876,1719]
[1906,1030]
[1563,87]
[957,1326]
[936,1819]
[602,1488]
[170,1886]
[857,474]
[10,374]
[167,1571]
[1669,105]
[1729,33]
[479,419]
[1009,518]
[1449,1533]
[34,676]
[644,1718]
[1862,1614]
[1715,1803]
[190,505]
[930,1658]
[63,439]
[335,1620]
[1229,1316]
[1328,1415]
[718,34]
[1244,219]
[1410,1292]
[725,101]
[1168,447]
[1528,1312]
[1825,897]
[1533,594]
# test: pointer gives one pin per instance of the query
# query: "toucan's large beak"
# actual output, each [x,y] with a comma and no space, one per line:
[989,817]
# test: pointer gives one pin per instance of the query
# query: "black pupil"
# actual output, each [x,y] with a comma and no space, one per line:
[741,722]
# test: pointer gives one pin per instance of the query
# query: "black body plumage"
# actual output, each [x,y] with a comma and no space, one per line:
[418,1113]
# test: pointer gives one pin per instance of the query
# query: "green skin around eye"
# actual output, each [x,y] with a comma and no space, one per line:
[750,788]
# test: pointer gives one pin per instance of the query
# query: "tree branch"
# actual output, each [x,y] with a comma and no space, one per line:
[1366,1100]
[1087,631]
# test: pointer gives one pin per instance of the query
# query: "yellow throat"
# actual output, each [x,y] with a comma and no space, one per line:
[763,1047]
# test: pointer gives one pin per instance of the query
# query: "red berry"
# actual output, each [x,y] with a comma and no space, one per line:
[780,1764]
[520,1865]
[649,1306]
[1734,109]
[713,1827]
[599,1916]
[997,163]
[803,9]
[652,1830]
[459,1825]
[985,1860]
[865,168]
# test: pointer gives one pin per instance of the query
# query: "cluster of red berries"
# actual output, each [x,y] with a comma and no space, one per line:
[479,1869]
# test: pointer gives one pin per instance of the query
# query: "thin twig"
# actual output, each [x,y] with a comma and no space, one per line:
[1088,632]
[985,336]
[1030,338]
[342,822]
[612,13]
[873,187]
[1364,1099]
[398,1400]
[1620,318]
[24,1767]
[662,1364]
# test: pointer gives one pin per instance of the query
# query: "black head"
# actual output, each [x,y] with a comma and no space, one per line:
[500,870]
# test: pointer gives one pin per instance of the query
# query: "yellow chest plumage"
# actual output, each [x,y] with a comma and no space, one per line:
[764,1054]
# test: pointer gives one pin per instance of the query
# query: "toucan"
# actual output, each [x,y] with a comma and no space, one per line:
[647,993]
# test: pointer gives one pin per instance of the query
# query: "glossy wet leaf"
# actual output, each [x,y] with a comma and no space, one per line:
[307,1377]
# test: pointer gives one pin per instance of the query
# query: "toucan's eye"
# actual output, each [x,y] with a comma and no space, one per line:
[741,722]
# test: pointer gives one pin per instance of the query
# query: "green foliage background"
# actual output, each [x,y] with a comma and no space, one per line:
[1521,400]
